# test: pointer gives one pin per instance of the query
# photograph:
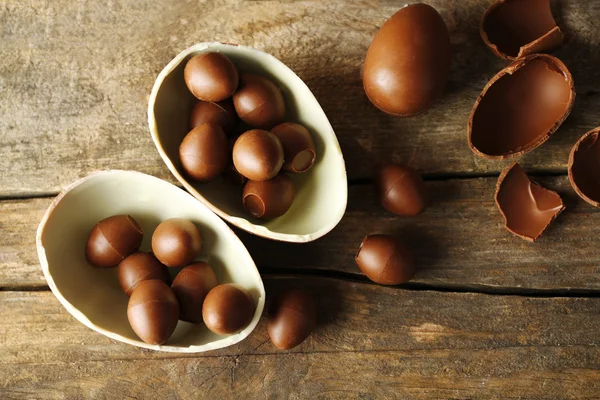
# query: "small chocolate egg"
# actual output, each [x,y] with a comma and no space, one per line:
[401,190]
[408,62]
[211,76]
[221,113]
[292,317]
[140,267]
[191,285]
[176,242]
[113,239]
[268,199]
[298,146]
[203,152]
[227,309]
[386,261]
[258,155]
[153,311]
[259,102]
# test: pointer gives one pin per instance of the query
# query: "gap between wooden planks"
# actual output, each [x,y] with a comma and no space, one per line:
[460,243]
[371,341]
[76,75]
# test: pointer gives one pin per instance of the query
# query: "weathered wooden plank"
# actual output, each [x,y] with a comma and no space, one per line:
[371,342]
[74,77]
[460,241]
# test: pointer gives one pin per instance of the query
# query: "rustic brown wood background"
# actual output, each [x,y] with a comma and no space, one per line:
[488,316]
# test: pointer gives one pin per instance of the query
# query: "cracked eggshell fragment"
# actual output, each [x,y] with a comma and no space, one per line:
[321,192]
[93,295]
[521,107]
[513,29]
[584,167]
[527,207]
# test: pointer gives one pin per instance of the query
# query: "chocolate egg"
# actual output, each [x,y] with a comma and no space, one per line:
[191,285]
[211,76]
[227,309]
[113,239]
[203,152]
[584,167]
[259,102]
[527,207]
[401,190]
[268,199]
[258,155]
[386,261]
[291,319]
[140,267]
[408,62]
[221,113]
[153,311]
[176,242]
[516,28]
[521,107]
[298,146]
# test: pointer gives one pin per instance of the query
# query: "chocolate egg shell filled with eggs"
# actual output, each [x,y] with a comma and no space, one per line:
[521,107]
[96,297]
[320,191]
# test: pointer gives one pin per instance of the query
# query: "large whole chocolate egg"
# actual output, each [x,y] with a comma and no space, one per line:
[408,61]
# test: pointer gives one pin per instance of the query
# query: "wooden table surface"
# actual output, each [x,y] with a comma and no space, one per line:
[488,315]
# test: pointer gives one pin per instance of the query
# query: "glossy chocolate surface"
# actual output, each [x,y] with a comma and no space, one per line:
[258,155]
[203,152]
[521,107]
[176,242]
[153,311]
[516,28]
[299,151]
[191,285]
[259,102]
[221,113]
[584,167]
[384,260]
[408,62]
[527,207]
[227,309]
[268,199]
[211,77]
[140,267]
[401,190]
[113,239]
[291,319]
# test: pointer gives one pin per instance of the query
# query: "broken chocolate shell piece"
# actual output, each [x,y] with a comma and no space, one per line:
[516,28]
[521,107]
[527,207]
[584,167]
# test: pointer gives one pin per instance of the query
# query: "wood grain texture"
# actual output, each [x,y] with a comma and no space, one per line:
[460,241]
[372,342]
[75,76]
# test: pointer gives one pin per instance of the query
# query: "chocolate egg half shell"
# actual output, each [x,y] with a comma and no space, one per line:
[584,167]
[516,28]
[527,207]
[521,107]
